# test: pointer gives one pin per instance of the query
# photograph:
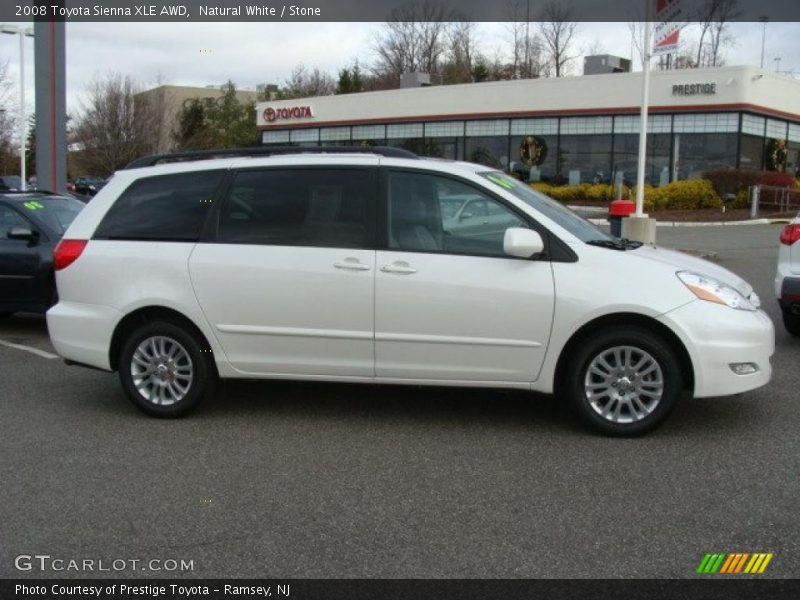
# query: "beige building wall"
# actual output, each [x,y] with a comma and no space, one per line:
[171,98]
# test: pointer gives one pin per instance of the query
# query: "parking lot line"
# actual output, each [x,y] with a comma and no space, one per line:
[35,351]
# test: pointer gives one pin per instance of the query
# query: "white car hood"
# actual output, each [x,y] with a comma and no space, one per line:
[685,262]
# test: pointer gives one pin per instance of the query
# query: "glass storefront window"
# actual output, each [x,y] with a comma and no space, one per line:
[304,137]
[415,145]
[584,159]
[444,147]
[534,157]
[626,158]
[696,153]
[334,136]
[369,135]
[751,152]
[793,158]
[275,137]
[490,150]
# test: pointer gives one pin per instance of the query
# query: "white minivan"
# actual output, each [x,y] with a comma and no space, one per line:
[376,266]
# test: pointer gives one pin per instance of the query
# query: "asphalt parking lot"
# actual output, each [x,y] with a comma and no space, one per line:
[319,480]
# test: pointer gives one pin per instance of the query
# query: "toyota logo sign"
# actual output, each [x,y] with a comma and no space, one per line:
[292,112]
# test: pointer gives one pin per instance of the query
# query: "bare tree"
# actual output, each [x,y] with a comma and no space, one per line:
[413,39]
[461,52]
[714,17]
[8,159]
[525,46]
[727,10]
[305,83]
[637,35]
[557,30]
[115,126]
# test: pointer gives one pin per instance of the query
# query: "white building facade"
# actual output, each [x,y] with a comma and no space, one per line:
[567,130]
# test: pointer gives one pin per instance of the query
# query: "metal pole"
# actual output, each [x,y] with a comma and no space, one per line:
[23,123]
[643,120]
[51,146]
[763,38]
[754,194]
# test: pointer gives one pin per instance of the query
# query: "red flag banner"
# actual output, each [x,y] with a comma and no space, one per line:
[668,27]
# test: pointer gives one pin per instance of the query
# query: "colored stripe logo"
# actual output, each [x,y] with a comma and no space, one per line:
[735,563]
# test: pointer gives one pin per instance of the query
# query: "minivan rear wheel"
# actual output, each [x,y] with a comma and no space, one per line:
[623,381]
[164,370]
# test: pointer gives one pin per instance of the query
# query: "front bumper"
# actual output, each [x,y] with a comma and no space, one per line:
[716,337]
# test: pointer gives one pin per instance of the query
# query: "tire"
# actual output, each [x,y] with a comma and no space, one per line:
[791,321]
[625,359]
[168,362]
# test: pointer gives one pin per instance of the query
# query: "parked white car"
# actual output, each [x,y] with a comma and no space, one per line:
[337,266]
[787,279]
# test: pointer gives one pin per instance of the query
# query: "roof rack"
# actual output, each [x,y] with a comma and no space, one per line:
[155,159]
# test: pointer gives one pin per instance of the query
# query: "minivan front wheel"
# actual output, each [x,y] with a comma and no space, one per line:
[164,371]
[623,381]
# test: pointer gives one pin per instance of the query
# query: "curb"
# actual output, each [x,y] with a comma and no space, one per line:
[706,224]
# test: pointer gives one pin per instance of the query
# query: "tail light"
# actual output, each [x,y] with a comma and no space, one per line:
[67,252]
[790,234]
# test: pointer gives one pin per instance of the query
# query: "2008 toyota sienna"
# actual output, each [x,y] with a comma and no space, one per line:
[374,265]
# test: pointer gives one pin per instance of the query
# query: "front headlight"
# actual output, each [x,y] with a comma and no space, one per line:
[713,290]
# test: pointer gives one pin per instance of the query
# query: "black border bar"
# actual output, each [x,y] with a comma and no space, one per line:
[710,588]
[183,11]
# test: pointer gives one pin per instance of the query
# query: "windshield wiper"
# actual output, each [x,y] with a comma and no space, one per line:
[631,244]
[616,244]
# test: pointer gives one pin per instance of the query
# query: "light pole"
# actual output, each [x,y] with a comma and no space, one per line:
[23,120]
[763,37]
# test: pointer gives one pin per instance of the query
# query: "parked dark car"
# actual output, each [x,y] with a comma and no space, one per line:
[31,224]
[89,186]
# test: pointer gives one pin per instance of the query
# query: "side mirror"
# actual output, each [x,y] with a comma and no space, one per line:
[23,234]
[522,243]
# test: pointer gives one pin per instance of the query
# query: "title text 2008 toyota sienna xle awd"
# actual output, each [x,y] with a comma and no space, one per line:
[378,266]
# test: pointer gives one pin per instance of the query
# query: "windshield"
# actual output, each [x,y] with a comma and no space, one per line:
[553,210]
[56,212]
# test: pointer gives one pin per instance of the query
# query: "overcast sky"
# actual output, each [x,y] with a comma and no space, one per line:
[251,53]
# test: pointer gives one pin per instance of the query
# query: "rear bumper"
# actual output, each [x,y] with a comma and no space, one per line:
[81,333]
[716,337]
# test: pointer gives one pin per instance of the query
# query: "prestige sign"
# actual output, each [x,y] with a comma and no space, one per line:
[292,112]
[694,89]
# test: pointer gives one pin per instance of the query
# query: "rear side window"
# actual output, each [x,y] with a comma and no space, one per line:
[167,207]
[299,207]
[9,218]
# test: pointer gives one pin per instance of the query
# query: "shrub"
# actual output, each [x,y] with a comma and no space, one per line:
[777,179]
[593,192]
[689,194]
[742,200]
[680,195]
[731,181]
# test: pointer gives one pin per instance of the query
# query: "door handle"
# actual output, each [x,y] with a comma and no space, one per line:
[351,264]
[400,266]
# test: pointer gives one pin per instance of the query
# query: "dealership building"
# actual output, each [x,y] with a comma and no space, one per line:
[570,129]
